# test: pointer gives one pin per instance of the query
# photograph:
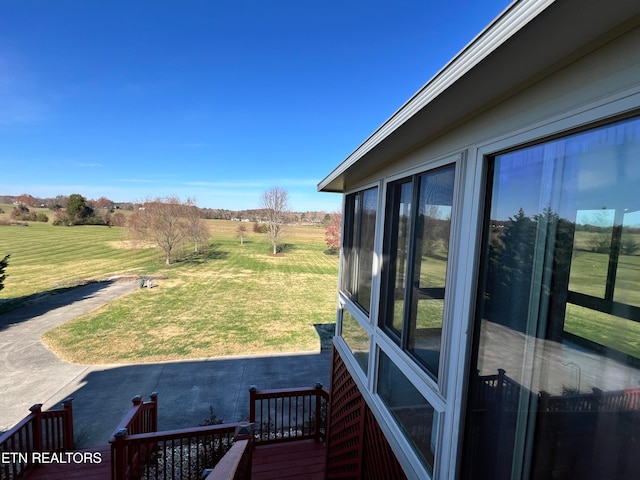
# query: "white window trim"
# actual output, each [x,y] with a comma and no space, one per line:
[373,301]
[419,377]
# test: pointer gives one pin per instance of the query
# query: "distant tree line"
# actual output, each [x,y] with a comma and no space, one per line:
[102,204]
[60,201]
[262,215]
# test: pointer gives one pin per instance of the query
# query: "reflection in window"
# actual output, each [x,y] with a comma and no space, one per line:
[591,247]
[357,252]
[399,198]
[554,386]
[414,415]
[626,289]
[415,263]
[357,339]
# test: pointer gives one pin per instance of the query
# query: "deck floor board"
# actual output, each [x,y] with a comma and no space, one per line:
[72,471]
[303,459]
[300,460]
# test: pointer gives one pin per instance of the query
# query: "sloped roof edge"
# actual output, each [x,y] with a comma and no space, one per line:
[515,16]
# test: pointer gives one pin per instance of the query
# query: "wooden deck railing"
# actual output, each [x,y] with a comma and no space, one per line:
[141,418]
[236,463]
[139,451]
[48,431]
[174,454]
[288,414]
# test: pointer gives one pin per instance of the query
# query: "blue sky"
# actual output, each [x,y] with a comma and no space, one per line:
[213,100]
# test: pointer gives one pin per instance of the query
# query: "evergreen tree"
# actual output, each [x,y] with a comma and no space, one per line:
[3,264]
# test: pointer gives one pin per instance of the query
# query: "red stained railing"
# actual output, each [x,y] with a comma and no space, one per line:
[138,450]
[236,463]
[173,454]
[49,431]
[288,414]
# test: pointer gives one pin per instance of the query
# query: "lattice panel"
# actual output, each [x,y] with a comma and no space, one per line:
[345,423]
[356,446]
[378,460]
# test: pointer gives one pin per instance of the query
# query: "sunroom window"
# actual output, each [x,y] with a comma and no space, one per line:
[416,251]
[357,339]
[554,378]
[411,411]
[357,252]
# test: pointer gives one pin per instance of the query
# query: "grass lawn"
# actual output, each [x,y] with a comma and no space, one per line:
[45,258]
[234,300]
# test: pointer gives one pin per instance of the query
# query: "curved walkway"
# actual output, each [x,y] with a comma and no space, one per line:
[30,373]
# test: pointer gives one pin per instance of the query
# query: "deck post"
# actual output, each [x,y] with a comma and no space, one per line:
[68,435]
[252,403]
[36,411]
[137,400]
[118,455]
[318,417]
[154,411]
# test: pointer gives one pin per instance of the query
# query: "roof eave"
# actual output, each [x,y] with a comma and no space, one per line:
[503,27]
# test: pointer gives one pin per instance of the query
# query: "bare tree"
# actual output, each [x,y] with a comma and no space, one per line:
[163,222]
[241,232]
[275,202]
[196,230]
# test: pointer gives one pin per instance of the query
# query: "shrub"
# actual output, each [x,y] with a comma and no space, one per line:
[260,227]
[61,218]
[629,246]
[332,232]
[22,213]
[118,219]
[42,217]
[3,264]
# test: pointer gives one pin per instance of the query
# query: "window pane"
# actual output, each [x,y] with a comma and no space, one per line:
[365,251]
[627,290]
[554,381]
[430,266]
[396,251]
[357,249]
[414,415]
[591,248]
[349,243]
[357,339]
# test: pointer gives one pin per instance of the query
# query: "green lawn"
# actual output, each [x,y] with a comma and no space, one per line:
[234,300]
[44,257]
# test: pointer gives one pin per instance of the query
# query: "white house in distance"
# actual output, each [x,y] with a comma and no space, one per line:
[488,322]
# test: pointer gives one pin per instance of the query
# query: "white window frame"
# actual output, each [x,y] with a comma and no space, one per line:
[344,299]
[604,111]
